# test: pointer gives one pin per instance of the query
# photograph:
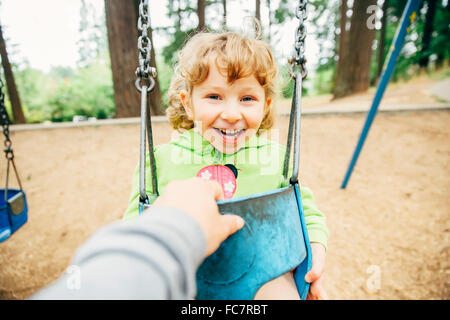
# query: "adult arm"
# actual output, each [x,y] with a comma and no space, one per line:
[155,256]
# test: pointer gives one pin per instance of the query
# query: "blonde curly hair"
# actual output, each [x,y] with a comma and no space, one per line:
[240,56]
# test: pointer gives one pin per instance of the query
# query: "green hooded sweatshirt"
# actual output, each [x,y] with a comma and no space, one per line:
[260,168]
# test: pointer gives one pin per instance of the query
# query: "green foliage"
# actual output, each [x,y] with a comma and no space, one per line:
[288,89]
[325,16]
[165,74]
[89,93]
[407,63]
[170,51]
[323,81]
[282,12]
[64,93]
[285,83]
[440,44]
[92,30]
[184,15]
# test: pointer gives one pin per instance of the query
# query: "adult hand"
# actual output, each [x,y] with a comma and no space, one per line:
[315,276]
[197,197]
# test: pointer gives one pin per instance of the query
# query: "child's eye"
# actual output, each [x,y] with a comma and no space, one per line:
[213,96]
[248,99]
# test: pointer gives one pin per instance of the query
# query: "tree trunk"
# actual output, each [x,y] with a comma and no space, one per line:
[382,39]
[122,39]
[357,51]
[224,21]
[121,20]
[427,31]
[269,32]
[201,6]
[258,10]
[10,83]
[179,22]
[342,38]
[439,61]
[155,97]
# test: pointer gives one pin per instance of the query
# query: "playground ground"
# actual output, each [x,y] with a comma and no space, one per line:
[389,230]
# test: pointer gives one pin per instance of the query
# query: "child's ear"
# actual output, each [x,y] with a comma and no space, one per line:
[186,105]
[269,102]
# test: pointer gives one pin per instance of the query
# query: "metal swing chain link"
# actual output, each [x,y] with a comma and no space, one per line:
[5,124]
[144,70]
[298,56]
[145,83]
[9,154]
[297,59]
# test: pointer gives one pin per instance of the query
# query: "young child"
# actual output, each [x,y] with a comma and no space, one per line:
[221,100]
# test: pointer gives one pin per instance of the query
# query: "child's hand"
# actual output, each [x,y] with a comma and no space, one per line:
[315,275]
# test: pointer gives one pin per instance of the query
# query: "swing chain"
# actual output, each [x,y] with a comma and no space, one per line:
[298,56]
[5,124]
[9,154]
[144,70]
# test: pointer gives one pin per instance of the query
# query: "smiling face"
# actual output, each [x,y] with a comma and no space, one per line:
[226,114]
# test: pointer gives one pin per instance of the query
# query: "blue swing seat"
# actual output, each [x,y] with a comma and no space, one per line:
[273,241]
[13,212]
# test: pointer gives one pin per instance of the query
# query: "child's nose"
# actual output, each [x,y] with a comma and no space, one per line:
[231,113]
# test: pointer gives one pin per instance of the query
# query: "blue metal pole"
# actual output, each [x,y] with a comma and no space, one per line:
[407,18]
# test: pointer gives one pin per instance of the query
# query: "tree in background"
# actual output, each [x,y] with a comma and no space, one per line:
[121,20]
[183,13]
[354,65]
[92,34]
[201,7]
[122,35]
[425,52]
[324,18]
[440,44]
[392,11]
[224,19]
[382,39]
[342,31]
[87,89]
[258,9]
[269,31]
[327,18]
[11,83]
[414,50]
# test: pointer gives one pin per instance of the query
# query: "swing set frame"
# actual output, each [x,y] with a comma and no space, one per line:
[408,17]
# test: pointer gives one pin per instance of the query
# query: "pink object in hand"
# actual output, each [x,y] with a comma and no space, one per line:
[221,174]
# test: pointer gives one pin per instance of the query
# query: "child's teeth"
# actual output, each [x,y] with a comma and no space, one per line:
[230,132]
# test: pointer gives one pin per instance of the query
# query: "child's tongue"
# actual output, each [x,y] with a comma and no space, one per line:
[230,138]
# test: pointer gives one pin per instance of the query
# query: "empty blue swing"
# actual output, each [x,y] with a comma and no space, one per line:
[13,211]
[13,203]
[274,239]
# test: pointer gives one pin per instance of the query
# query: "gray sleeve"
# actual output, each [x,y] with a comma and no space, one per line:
[153,257]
